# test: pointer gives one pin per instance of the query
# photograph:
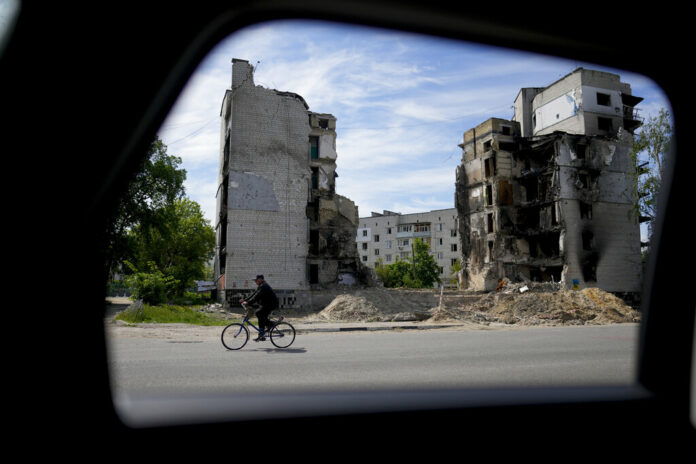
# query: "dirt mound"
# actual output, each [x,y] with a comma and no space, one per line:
[566,307]
[351,308]
[530,304]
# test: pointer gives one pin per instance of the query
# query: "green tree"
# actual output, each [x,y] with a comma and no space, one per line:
[158,183]
[180,242]
[650,148]
[425,268]
[420,272]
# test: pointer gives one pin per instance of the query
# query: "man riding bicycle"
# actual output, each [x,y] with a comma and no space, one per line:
[266,299]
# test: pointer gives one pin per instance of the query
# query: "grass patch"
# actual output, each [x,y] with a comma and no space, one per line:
[169,314]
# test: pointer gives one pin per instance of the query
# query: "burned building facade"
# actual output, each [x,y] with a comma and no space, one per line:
[550,194]
[277,210]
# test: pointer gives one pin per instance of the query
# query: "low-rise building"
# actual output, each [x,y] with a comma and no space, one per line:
[388,236]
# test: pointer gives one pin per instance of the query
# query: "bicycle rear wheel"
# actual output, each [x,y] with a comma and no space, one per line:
[235,336]
[282,335]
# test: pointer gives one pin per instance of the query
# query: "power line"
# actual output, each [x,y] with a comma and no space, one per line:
[195,132]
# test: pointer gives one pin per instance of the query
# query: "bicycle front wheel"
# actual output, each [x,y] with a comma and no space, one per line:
[235,336]
[282,335]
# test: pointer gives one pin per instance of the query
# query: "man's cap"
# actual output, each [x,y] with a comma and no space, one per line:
[260,276]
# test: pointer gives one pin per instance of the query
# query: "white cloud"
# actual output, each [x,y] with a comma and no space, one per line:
[402,104]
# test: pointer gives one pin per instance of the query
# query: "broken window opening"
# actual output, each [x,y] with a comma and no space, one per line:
[314,273]
[490,166]
[587,240]
[364,233]
[389,258]
[313,147]
[589,267]
[364,246]
[544,187]
[603,99]
[487,145]
[490,249]
[313,211]
[454,247]
[585,210]
[531,190]
[489,195]
[545,245]
[587,180]
[223,262]
[376,251]
[507,146]
[314,242]
[554,215]
[504,193]
[226,159]
[545,274]
[604,124]
[315,178]
[324,123]
[376,237]
[490,222]
[529,218]
[581,150]
[506,130]
[364,258]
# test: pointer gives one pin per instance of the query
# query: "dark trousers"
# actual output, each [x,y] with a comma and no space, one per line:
[262,314]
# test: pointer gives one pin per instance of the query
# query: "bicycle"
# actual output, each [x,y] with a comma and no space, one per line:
[236,335]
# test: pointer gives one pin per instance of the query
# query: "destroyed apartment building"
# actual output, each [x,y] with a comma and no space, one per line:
[277,210]
[550,194]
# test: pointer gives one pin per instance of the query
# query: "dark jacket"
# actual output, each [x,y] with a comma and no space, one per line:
[264,296]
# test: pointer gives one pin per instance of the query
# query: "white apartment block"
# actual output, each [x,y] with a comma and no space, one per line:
[389,236]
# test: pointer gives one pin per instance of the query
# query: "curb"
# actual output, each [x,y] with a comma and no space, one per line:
[374,328]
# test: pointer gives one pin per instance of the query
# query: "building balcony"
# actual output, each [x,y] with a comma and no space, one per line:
[412,234]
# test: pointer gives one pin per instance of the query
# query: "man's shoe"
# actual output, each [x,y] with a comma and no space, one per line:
[260,338]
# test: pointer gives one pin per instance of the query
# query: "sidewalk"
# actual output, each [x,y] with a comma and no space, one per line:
[369,326]
[320,326]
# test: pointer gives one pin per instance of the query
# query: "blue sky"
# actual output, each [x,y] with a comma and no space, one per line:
[402,103]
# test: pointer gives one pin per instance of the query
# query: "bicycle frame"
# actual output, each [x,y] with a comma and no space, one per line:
[248,322]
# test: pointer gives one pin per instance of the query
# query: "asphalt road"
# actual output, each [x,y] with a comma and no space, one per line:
[160,380]
[373,360]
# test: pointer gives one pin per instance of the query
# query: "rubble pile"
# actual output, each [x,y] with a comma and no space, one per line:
[547,304]
[511,304]
[353,308]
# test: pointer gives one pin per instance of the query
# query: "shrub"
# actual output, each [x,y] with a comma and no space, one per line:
[152,287]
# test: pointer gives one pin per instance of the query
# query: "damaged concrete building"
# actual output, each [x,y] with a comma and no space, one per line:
[550,194]
[277,210]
